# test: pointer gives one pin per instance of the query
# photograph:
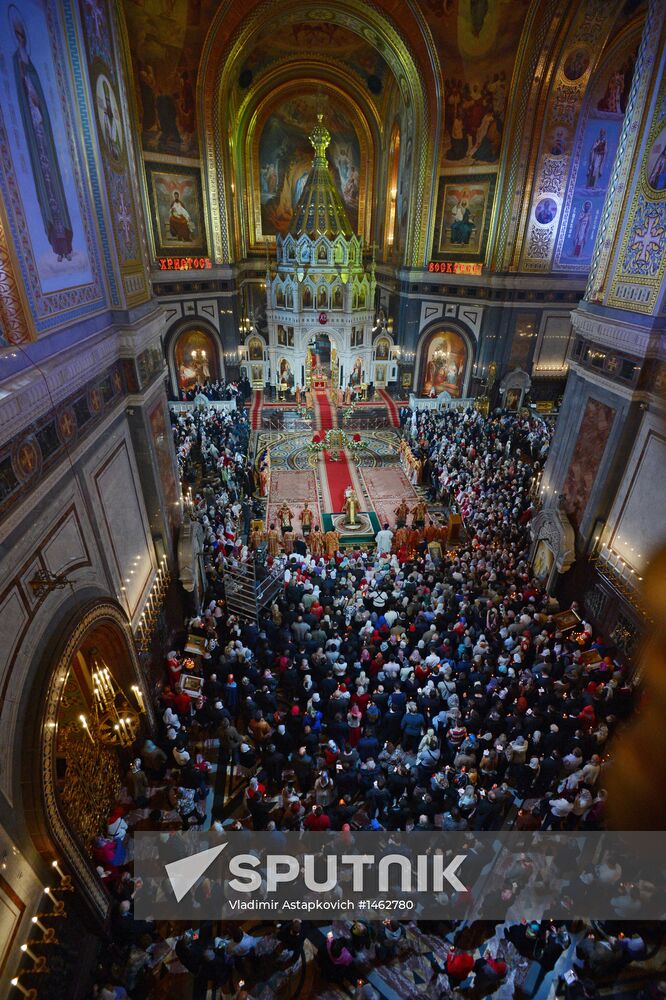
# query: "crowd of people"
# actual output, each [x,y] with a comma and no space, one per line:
[219,390]
[436,692]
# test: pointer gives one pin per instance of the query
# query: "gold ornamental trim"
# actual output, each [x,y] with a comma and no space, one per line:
[215,83]
[104,611]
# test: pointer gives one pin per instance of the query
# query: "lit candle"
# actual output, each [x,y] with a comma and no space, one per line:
[26,993]
[84,723]
[54,864]
[26,951]
[139,697]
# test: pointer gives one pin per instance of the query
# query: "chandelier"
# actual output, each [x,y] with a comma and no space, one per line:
[114,720]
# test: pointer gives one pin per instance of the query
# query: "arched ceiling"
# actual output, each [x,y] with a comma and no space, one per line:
[467,83]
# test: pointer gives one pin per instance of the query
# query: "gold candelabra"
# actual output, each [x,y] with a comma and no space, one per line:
[155,601]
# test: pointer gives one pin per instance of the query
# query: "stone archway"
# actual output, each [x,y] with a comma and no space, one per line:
[97,635]
[194,353]
[443,360]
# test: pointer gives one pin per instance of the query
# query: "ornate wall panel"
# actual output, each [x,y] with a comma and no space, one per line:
[595,146]
[641,263]
[50,217]
[651,45]
[543,218]
[14,323]
[124,519]
[108,99]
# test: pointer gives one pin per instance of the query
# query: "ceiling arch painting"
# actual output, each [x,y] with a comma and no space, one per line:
[316,39]
[367,39]
[284,157]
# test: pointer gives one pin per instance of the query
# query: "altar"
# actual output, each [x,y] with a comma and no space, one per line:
[320,379]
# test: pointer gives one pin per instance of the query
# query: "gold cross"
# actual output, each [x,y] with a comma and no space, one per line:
[27,457]
[66,424]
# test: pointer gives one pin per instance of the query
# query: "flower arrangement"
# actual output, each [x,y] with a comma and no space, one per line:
[335,440]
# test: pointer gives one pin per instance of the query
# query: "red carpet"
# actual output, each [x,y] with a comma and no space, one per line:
[338,476]
[255,410]
[325,412]
[394,416]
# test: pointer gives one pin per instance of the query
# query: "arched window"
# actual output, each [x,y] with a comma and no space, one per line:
[361,297]
[289,298]
[279,296]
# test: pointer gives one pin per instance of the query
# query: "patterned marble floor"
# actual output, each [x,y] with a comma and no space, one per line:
[297,475]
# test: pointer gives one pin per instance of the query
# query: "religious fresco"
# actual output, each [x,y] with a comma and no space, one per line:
[166,40]
[595,148]
[285,374]
[176,208]
[586,458]
[108,118]
[443,368]
[544,560]
[285,158]
[403,191]
[463,216]
[382,347]
[639,273]
[41,185]
[195,355]
[477,42]
[322,37]
[161,433]
[119,170]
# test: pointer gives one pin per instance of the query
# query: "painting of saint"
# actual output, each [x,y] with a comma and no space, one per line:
[444,364]
[545,211]
[382,349]
[109,118]
[42,149]
[558,142]
[285,374]
[256,349]
[543,562]
[49,209]
[592,154]
[596,159]
[181,226]
[576,64]
[464,206]
[166,40]
[614,98]
[582,229]
[177,209]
